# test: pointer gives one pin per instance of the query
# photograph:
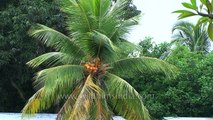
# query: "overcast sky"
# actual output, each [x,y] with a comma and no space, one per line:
[157,19]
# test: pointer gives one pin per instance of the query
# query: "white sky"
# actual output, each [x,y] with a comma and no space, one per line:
[157,19]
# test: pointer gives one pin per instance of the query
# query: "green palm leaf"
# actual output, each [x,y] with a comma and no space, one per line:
[52,59]
[97,44]
[100,7]
[99,15]
[34,103]
[129,66]
[80,17]
[124,99]
[55,39]
[55,83]
[62,76]
[113,23]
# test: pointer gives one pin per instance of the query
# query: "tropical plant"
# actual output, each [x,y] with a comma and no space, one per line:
[89,64]
[205,10]
[196,38]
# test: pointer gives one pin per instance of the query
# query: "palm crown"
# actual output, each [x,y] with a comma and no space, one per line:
[89,64]
[193,36]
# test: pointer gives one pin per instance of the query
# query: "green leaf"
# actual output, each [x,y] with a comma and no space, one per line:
[210,31]
[33,104]
[130,66]
[203,1]
[201,21]
[63,76]
[187,5]
[56,82]
[212,3]
[55,39]
[184,13]
[209,6]
[52,59]
[124,99]
[194,3]
[97,44]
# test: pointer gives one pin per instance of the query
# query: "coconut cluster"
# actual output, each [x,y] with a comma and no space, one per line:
[91,67]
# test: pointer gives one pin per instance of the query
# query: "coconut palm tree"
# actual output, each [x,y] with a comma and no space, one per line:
[87,70]
[195,37]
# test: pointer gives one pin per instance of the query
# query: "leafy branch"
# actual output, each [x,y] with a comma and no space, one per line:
[205,10]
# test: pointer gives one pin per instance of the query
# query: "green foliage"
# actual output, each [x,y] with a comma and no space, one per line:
[129,66]
[16,47]
[184,13]
[190,94]
[210,30]
[205,11]
[150,49]
[195,76]
[119,87]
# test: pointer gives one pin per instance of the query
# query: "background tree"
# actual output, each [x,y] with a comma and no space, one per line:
[192,88]
[16,47]
[150,49]
[195,38]
[187,95]
[131,10]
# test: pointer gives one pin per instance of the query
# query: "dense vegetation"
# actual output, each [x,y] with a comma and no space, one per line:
[190,94]
[187,95]
[16,47]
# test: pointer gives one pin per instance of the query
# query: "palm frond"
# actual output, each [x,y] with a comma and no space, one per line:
[61,76]
[58,81]
[117,8]
[52,59]
[124,99]
[33,104]
[66,109]
[98,15]
[123,28]
[129,66]
[85,100]
[80,15]
[101,7]
[55,84]
[125,48]
[97,44]
[55,39]
[102,110]
[183,26]
[113,21]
